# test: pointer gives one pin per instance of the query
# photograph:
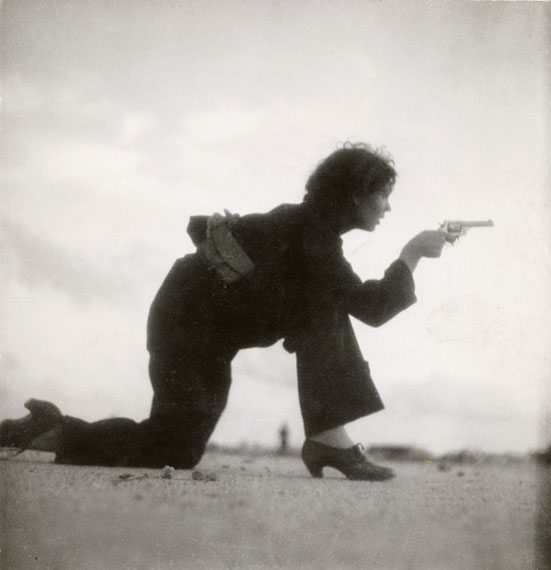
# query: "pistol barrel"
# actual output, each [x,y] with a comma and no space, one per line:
[486,224]
[459,227]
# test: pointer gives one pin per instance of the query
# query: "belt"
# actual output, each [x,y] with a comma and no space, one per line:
[222,251]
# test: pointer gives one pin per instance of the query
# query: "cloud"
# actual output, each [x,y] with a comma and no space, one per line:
[24,95]
[223,123]
[40,262]
[75,160]
[135,126]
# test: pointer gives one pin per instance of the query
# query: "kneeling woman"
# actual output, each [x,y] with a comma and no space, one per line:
[252,281]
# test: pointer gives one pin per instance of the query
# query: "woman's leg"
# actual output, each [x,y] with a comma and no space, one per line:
[190,371]
[334,381]
[335,437]
[335,388]
[190,395]
[74,441]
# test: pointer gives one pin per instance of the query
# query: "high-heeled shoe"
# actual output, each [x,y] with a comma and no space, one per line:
[351,462]
[20,433]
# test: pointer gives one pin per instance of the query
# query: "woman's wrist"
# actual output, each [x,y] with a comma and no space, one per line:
[410,258]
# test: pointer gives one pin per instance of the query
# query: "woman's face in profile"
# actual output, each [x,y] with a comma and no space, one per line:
[371,209]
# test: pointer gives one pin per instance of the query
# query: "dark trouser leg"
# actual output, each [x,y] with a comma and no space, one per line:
[334,382]
[190,396]
[112,442]
[190,373]
[190,364]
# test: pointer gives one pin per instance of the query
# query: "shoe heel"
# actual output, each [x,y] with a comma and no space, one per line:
[315,470]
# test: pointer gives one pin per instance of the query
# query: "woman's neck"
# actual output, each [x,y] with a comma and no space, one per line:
[340,223]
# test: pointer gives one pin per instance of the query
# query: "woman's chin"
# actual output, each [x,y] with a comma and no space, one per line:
[366,226]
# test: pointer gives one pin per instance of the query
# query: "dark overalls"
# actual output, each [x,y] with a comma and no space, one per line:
[301,289]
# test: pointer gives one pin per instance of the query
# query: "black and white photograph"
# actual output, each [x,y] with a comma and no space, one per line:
[275,285]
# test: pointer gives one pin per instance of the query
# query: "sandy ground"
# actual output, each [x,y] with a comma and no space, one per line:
[266,512]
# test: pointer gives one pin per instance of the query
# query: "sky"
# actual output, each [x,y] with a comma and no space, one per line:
[122,119]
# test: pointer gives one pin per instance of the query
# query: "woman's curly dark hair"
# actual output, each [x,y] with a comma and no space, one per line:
[355,169]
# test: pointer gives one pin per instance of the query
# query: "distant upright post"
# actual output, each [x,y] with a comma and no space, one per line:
[283,440]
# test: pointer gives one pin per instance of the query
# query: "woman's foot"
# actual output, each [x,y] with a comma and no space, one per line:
[20,433]
[334,437]
[351,462]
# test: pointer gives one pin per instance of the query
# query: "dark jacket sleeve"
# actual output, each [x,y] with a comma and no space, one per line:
[333,280]
[376,301]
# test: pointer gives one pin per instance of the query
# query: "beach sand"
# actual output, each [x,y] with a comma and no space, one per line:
[266,512]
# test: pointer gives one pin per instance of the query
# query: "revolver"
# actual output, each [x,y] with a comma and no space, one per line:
[458,228]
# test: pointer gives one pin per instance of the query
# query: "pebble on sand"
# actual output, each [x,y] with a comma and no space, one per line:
[203,476]
[167,472]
